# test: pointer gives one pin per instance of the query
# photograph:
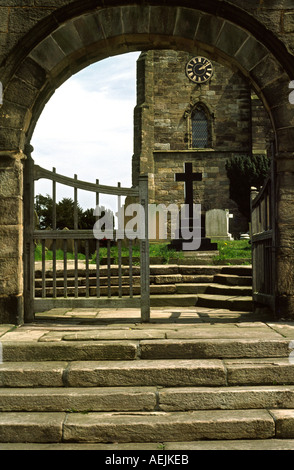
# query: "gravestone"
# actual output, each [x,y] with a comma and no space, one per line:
[188,178]
[217,224]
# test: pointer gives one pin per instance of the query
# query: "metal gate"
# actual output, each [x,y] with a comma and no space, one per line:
[72,284]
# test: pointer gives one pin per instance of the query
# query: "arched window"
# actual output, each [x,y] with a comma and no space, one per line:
[200,127]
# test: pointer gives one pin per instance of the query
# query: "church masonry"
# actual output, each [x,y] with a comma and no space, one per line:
[237,124]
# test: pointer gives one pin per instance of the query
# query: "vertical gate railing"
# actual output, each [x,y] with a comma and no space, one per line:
[82,285]
[263,243]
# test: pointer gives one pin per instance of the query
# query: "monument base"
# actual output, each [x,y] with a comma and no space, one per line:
[206,245]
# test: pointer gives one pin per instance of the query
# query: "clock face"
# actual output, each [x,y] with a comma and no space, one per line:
[199,69]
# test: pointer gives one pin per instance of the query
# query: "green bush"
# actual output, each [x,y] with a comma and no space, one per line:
[245,171]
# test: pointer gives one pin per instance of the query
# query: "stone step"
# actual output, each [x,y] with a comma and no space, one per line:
[169,373]
[233,280]
[131,345]
[142,427]
[104,399]
[156,270]
[173,300]
[237,303]
[220,289]
[82,399]
[192,288]
[148,373]
[240,444]
[114,289]
[237,270]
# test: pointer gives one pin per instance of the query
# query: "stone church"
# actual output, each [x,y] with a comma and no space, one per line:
[204,118]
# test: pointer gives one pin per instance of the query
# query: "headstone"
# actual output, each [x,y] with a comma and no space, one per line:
[217,224]
[188,178]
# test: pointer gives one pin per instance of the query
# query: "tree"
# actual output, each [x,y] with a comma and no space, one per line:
[64,214]
[244,172]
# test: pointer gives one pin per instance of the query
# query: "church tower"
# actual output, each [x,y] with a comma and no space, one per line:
[193,109]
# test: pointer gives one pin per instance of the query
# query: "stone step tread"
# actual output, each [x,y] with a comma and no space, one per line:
[233,280]
[169,345]
[140,426]
[232,302]
[241,444]
[113,373]
[73,399]
[154,288]
[165,373]
[220,297]
[218,289]
[231,288]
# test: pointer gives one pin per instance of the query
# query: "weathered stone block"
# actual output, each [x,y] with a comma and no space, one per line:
[32,73]
[158,427]
[111,22]
[186,23]
[263,372]
[47,374]
[4,16]
[10,210]
[67,38]
[231,39]
[47,54]
[284,420]
[19,93]
[10,241]
[11,275]
[289,22]
[251,53]
[10,178]
[208,29]
[173,373]
[89,30]
[162,20]
[31,427]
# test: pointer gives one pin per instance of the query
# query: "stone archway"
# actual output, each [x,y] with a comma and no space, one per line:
[54,43]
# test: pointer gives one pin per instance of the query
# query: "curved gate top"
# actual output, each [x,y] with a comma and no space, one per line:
[84,284]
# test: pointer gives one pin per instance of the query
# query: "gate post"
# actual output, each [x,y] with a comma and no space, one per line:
[29,248]
[144,252]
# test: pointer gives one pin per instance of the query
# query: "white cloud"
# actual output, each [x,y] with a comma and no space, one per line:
[87,126]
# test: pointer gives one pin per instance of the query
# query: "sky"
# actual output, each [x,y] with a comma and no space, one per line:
[86,128]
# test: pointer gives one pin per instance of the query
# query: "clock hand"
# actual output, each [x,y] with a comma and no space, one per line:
[203,67]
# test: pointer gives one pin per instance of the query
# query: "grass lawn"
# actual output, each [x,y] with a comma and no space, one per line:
[235,249]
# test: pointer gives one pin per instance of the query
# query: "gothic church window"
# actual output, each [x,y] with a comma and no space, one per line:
[200,131]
